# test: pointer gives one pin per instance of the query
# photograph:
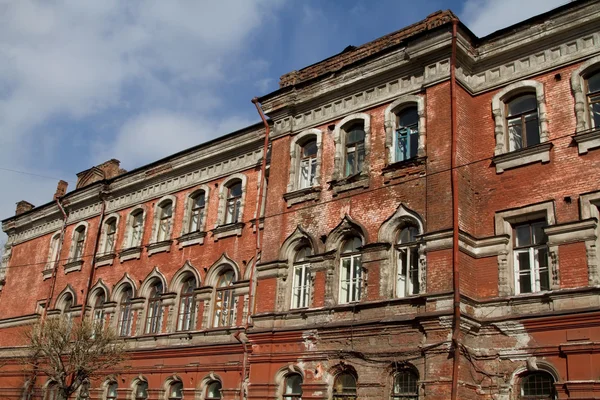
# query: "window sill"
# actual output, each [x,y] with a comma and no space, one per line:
[401,169]
[130,254]
[358,181]
[191,238]
[105,259]
[299,196]
[159,247]
[517,158]
[587,140]
[73,266]
[47,273]
[228,230]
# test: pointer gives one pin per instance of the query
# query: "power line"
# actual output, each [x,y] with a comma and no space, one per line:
[31,174]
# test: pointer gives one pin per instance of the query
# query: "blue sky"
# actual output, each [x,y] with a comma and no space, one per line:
[83,82]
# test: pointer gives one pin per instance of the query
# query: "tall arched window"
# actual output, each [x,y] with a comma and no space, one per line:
[154,313]
[175,390]
[301,284]
[109,235]
[350,271]
[66,306]
[112,391]
[187,305]
[141,390]
[78,243]
[593,97]
[224,309]
[537,386]
[292,389]
[52,391]
[164,223]
[136,228]
[344,386]
[355,149]
[197,211]
[98,314]
[125,312]
[407,134]
[522,121]
[405,386]
[407,278]
[53,252]
[213,391]
[307,169]
[233,203]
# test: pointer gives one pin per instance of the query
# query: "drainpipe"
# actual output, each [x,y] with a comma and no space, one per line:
[455,249]
[93,262]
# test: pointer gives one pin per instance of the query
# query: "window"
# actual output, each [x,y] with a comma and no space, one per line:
[165,211]
[522,122]
[405,386]
[175,391]
[53,253]
[141,390]
[307,170]
[98,314]
[125,313]
[187,305]
[84,391]
[213,391]
[350,271]
[537,386]
[593,98]
[110,233]
[531,258]
[224,303]
[197,212]
[233,203]
[301,284]
[355,149]
[111,391]
[407,278]
[344,387]
[78,242]
[292,387]
[406,139]
[52,391]
[67,303]
[137,226]
[154,314]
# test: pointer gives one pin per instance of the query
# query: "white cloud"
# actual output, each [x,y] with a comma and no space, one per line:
[486,16]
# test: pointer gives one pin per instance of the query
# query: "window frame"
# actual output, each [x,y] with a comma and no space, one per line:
[137,228]
[154,308]
[581,107]
[340,138]
[228,300]
[110,384]
[522,117]
[233,203]
[411,250]
[292,396]
[208,386]
[391,125]
[343,394]
[405,395]
[135,388]
[532,251]
[165,220]
[354,283]
[531,374]
[223,200]
[125,318]
[300,297]
[170,390]
[53,251]
[187,303]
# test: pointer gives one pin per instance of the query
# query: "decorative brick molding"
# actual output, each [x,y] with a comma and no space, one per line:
[159,247]
[130,254]
[527,155]
[228,230]
[73,266]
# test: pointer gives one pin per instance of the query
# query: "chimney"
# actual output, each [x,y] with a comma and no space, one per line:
[61,189]
[23,206]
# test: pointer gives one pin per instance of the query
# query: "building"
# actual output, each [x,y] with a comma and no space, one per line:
[428,230]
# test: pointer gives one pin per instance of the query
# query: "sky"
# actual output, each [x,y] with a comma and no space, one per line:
[82,82]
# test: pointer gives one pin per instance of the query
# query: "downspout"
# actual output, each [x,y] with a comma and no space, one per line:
[93,262]
[454,189]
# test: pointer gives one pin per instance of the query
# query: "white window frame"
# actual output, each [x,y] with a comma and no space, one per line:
[534,265]
[73,256]
[104,234]
[53,250]
[128,237]
[156,236]
[189,209]
[301,286]
[223,192]
[351,266]
[391,124]
[339,137]
[296,146]
[404,285]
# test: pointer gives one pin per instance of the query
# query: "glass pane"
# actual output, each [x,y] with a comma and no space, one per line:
[352,245]
[305,179]
[167,210]
[414,271]
[355,135]
[345,383]
[524,268]
[350,162]
[199,201]
[593,83]
[408,235]
[523,235]
[542,260]
[112,390]
[302,254]
[408,117]
[595,112]
[309,149]
[360,155]
[293,384]
[176,391]
[539,237]
[141,391]
[226,278]
[538,385]
[522,104]
[235,190]
[532,129]
[213,391]
[405,383]
[515,134]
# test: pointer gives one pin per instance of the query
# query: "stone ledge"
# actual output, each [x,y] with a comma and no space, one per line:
[105,259]
[73,266]
[517,158]
[191,238]
[358,181]
[587,140]
[47,273]
[401,169]
[130,254]
[224,231]
[299,196]
[159,247]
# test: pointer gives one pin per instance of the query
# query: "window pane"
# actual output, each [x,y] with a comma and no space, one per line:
[293,384]
[532,128]
[352,245]
[409,117]
[539,385]
[542,260]
[595,111]
[213,391]
[402,272]
[350,162]
[515,134]
[523,235]
[309,149]
[345,383]
[355,135]
[141,391]
[414,271]
[524,268]
[522,104]
[593,83]
[405,383]
[199,201]
[235,190]
[360,155]
[305,174]
[539,237]
[408,234]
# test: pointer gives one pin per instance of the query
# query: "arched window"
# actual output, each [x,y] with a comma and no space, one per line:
[154,314]
[407,134]
[233,202]
[52,391]
[350,271]
[344,386]
[53,252]
[187,305]
[407,278]
[112,391]
[224,302]
[110,231]
[125,312]
[537,386]
[84,391]
[136,228]
[66,306]
[98,314]
[78,243]
[307,169]
[198,205]
[292,389]
[593,97]
[405,386]
[355,149]
[141,390]
[175,390]
[522,121]
[165,216]
[213,391]
[301,284]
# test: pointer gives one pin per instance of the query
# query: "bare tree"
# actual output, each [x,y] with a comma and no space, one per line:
[71,353]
